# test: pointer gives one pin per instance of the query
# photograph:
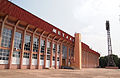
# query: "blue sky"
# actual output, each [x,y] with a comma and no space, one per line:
[82,16]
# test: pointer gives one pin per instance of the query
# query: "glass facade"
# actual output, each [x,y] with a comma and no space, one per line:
[4,54]
[27,42]
[42,57]
[17,40]
[64,51]
[6,37]
[34,56]
[16,54]
[26,55]
[54,51]
[48,50]
[35,44]
[42,46]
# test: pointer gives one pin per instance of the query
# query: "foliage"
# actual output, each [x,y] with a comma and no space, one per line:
[103,61]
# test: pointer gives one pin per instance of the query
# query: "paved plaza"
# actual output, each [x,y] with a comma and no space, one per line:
[60,73]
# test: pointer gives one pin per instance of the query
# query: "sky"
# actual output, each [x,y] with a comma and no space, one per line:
[87,17]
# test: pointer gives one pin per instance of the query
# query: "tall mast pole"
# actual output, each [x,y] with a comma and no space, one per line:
[110,56]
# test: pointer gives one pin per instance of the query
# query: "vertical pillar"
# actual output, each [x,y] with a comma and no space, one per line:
[2,27]
[38,54]
[12,46]
[60,55]
[77,51]
[45,53]
[22,51]
[67,54]
[51,54]
[31,51]
[56,56]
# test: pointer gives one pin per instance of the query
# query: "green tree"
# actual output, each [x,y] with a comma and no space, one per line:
[103,61]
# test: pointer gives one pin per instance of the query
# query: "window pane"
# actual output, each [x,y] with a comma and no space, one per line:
[35,44]
[6,37]
[17,40]
[27,42]
[26,55]
[64,51]
[4,54]
[42,46]
[48,47]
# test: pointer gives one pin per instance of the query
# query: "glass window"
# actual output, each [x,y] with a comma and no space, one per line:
[59,33]
[57,58]
[34,56]
[26,55]
[54,48]
[58,48]
[42,46]
[16,54]
[27,42]
[4,54]
[54,30]
[6,37]
[64,51]
[48,47]
[48,57]
[17,40]
[53,58]
[35,44]
[42,57]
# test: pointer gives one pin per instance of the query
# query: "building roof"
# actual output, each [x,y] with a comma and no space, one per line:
[21,14]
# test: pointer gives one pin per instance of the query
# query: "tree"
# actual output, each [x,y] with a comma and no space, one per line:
[103,61]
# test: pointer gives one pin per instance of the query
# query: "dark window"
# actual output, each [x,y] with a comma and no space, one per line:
[53,58]
[16,54]
[42,57]
[6,37]
[48,47]
[58,48]
[34,56]
[17,40]
[4,54]
[27,42]
[57,58]
[64,51]
[54,49]
[35,44]
[26,55]
[42,46]
[48,57]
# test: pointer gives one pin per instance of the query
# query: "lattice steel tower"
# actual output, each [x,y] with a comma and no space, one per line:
[110,57]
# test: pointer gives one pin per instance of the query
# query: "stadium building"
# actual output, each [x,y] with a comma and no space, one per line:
[28,42]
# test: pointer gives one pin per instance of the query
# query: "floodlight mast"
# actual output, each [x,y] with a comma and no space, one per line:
[110,57]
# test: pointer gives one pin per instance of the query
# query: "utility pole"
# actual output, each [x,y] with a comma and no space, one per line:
[111,62]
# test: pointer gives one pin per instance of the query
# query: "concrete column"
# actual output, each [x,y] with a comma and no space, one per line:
[67,55]
[56,56]
[77,51]
[31,51]
[12,46]
[60,55]
[51,54]
[22,51]
[38,54]
[45,53]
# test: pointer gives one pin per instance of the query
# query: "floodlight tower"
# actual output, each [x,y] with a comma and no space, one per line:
[110,57]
